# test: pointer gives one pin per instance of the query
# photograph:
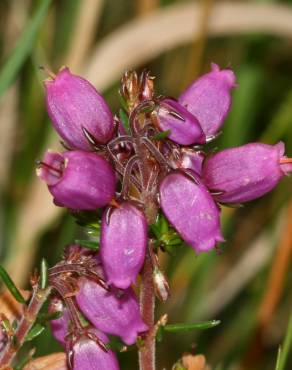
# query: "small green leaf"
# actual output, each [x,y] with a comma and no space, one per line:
[162,135]
[174,328]
[159,334]
[11,286]
[88,244]
[6,325]
[23,47]
[123,103]
[14,325]
[125,120]
[45,317]
[35,331]
[44,274]
[22,362]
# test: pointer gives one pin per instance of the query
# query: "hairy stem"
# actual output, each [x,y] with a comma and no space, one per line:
[28,319]
[147,295]
[147,304]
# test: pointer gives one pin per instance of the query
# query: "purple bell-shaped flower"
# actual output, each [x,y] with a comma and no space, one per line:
[77,179]
[123,242]
[191,210]
[74,104]
[113,312]
[246,172]
[87,353]
[184,127]
[208,98]
[59,326]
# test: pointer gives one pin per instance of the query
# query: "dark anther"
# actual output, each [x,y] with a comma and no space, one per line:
[176,115]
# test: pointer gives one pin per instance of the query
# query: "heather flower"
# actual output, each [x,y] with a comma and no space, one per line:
[59,326]
[77,179]
[123,242]
[191,210]
[73,103]
[183,126]
[88,355]
[113,312]
[246,172]
[208,98]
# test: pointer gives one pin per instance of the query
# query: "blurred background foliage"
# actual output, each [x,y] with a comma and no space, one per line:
[247,283]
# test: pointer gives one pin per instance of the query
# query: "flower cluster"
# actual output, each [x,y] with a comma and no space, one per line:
[131,168]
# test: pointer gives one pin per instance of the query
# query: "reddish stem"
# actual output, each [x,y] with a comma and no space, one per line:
[147,304]
[28,319]
[147,294]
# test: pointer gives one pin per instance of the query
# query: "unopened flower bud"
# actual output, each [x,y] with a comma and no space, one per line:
[246,172]
[77,179]
[191,210]
[161,285]
[113,312]
[208,98]
[87,354]
[123,242]
[73,103]
[184,128]
[59,326]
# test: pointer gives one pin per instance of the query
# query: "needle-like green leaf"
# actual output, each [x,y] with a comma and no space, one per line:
[11,286]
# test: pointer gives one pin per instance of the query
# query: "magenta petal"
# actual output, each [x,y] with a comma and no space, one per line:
[60,326]
[244,173]
[192,160]
[87,355]
[184,127]
[53,172]
[86,180]
[191,210]
[112,312]
[73,103]
[208,98]
[123,244]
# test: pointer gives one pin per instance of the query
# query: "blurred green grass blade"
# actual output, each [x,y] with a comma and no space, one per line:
[11,286]
[174,328]
[280,123]
[23,47]
[278,358]
[284,351]
[246,99]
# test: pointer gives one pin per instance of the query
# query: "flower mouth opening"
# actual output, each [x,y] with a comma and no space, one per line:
[51,168]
